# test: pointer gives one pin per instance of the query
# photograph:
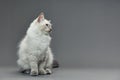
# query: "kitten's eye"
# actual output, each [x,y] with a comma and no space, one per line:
[46,24]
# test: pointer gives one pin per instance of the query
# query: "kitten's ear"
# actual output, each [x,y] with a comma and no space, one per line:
[40,17]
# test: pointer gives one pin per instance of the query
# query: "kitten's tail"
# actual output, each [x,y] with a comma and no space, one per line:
[55,64]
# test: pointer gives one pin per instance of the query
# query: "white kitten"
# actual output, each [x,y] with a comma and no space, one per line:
[34,52]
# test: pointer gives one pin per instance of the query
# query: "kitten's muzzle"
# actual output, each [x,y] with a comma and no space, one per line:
[50,30]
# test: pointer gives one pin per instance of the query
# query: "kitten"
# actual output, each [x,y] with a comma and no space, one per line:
[34,50]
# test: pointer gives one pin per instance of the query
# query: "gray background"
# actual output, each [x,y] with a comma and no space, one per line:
[86,32]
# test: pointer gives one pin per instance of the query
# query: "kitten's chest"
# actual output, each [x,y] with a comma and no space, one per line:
[40,43]
[43,40]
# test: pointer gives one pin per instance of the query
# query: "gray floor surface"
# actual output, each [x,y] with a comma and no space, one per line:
[12,73]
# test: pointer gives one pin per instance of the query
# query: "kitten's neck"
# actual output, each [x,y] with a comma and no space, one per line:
[33,31]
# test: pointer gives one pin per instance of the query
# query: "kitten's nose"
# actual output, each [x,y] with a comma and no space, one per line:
[50,30]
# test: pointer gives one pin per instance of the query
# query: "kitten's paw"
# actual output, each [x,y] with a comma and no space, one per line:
[42,72]
[27,72]
[49,71]
[34,73]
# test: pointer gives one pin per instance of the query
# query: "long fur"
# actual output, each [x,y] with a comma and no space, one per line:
[34,50]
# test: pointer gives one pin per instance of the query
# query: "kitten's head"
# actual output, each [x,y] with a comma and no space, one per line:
[44,24]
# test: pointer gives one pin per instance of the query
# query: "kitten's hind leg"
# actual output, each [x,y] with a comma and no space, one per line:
[23,66]
[26,71]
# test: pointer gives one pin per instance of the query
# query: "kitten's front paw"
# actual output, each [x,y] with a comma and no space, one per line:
[48,71]
[42,72]
[34,73]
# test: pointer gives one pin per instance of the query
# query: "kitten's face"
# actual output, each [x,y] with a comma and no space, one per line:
[44,24]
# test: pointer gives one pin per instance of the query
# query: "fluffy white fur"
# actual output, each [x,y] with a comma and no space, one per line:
[34,50]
